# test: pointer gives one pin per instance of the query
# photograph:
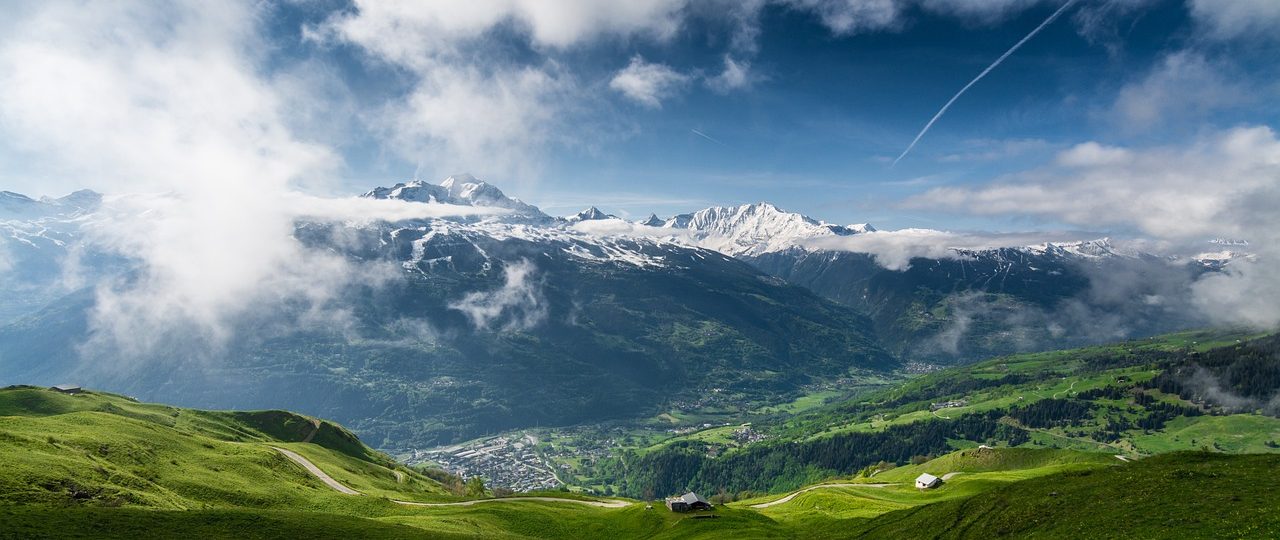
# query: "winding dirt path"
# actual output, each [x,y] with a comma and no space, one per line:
[315,471]
[793,494]
[598,504]
[337,486]
[1068,390]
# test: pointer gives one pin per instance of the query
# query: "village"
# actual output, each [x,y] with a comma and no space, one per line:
[508,461]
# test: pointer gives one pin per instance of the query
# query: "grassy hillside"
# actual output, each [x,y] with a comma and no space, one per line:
[968,472]
[98,465]
[98,449]
[1182,495]
[1126,398]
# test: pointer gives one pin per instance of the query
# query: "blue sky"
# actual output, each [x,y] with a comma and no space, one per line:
[532,97]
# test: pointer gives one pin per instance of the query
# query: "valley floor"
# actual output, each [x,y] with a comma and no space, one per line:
[1090,443]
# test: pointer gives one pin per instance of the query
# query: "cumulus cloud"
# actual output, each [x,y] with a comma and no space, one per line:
[1184,85]
[1226,184]
[854,16]
[1147,190]
[518,304]
[845,17]
[895,249]
[647,83]
[419,33]
[475,108]
[736,75]
[472,105]
[134,97]
[1092,154]
[462,118]
[1236,18]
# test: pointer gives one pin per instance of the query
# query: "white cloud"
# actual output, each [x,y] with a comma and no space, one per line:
[1229,19]
[419,33]
[476,108]
[129,97]
[981,11]
[1185,85]
[846,17]
[519,300]
[895,249]
[1092,154]
[647,84]
[493,124]
[1244,294]
[854,16]
[996,149]
[1168,192]
[736,75]
[1227,184]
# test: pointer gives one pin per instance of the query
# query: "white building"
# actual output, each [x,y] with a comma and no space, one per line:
[927,481]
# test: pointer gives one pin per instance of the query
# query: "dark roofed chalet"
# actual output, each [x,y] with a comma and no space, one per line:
[687,503]
[67,388]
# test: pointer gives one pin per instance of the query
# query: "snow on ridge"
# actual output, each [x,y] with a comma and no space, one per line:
[598,248]
[754,229]
[460,189]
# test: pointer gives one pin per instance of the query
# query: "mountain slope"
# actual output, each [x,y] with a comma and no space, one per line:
[482,324]
[97,465]
[972,303]
[753,229]
[98,449]
[985,303]
[1109,399]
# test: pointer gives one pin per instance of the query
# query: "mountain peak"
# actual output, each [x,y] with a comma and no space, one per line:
[460,189]
[590,214]
[653,221]
[462,178]
[19,205]
[756,228]
[1100,247]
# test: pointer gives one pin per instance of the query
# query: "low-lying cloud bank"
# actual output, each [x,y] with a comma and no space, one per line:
[518,304]
[895,249]
[180,100]
[1226,184]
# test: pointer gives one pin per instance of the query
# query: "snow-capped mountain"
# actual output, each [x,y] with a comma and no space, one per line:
[754,229]
[590,214]
[609,311]
[652,221]
[36,237]
[18,206]
[491,323]
[461,189]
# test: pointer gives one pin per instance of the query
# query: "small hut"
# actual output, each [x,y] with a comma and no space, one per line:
[927,481]
[67,388]
[687,503]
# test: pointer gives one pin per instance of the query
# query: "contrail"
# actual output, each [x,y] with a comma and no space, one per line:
[984,73]
[708,137]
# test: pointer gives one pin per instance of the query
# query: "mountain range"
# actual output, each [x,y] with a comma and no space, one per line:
[519,318]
